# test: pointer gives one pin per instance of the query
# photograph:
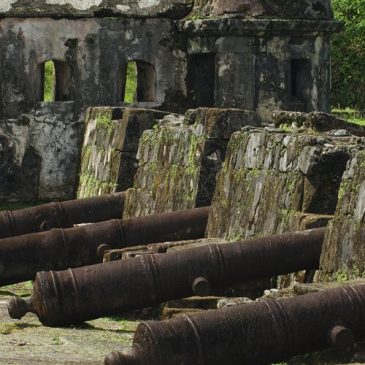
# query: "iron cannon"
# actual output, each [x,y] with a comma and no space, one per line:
[21,257]
[76,295]
[263,332]
[61,214]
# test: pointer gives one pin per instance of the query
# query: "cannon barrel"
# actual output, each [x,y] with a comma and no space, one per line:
[262,332]
[72,296]
[61,214]
[21,257]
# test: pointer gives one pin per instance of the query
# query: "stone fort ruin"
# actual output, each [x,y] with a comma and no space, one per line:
[229,113]
[252,55]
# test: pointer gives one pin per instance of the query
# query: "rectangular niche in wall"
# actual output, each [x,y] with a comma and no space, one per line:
[301,81]
[137,82]
[201,79]
[55,81]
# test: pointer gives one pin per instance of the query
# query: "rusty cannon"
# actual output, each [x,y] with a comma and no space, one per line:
[21,257]
[262,332]
[61,214]
[76,295]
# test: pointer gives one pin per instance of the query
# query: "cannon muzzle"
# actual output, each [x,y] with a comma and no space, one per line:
[85,293]
[262,332]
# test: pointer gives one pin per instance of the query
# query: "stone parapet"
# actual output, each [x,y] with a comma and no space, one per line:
[270,176]
[179,160]
[343,254]
[108,158]
[96,8]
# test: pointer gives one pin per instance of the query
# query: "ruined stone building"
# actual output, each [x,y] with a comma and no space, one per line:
[252,55]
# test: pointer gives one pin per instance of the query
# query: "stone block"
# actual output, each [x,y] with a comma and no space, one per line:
[269,177]
[318,122]
[108,158]
[343,252]
[179,160]
[38,153]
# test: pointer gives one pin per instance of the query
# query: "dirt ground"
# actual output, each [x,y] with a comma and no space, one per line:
[28,342]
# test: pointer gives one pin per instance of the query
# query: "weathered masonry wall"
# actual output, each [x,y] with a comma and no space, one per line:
[273,182]
[95,53]
[343,251]
[91,58]
[97,8]
[37,159]
[259,64]
[179,160]
[108,158]
[298,9]
[259,56]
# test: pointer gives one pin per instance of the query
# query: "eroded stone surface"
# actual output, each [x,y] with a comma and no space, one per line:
[318,122]
[38,154]
[108,159]
[268,176]
[179,159]
[90,8]
[265,8]
[343,251]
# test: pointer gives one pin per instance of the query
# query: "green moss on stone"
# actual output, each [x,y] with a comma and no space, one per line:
[103,119]
[91,186]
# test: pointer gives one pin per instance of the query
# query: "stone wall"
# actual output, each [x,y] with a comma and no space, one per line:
[179,160]
[38,153]
[95,8]
[343,254]
[266,9]
[108,158]
[94,52]
[253,55]
[272,180]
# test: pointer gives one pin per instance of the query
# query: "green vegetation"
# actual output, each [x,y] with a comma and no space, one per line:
[131,83]
[350,115]
[348,56]
[49,81]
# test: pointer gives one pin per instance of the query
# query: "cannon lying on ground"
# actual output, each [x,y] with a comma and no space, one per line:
[61,215]
[262,332]
[21,257]
[72,296]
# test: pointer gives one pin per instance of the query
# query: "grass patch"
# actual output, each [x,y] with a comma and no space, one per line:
[8,328]
[21,289]
[350,115]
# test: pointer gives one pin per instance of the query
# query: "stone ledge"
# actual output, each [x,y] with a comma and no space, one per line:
[174,9]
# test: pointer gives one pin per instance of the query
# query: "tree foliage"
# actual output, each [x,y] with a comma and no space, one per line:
[348,55]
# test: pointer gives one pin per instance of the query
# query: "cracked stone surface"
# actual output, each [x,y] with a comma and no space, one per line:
[27,342]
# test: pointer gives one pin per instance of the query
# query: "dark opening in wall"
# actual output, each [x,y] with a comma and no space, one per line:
[301,80]
[324,183]
[201,79]
[55,81]
[137,82]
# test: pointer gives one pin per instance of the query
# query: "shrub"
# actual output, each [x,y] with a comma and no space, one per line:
[348,55]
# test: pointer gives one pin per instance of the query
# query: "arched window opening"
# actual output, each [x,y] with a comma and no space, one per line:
[55,81]
[137,82]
